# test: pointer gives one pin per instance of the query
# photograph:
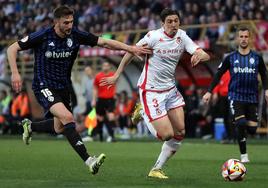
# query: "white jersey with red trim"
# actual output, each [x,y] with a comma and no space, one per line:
[159,70]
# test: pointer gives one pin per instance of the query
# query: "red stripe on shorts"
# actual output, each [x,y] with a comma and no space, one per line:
[146,108]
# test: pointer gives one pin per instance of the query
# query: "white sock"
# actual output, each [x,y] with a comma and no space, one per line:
[169,148]
[88,161]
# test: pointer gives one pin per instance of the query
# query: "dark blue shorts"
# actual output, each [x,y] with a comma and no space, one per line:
[47,97]
[249,110]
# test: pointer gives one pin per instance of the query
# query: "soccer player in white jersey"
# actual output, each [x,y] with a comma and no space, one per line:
[162,103]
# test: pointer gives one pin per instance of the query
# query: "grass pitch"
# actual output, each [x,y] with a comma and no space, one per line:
[52,163]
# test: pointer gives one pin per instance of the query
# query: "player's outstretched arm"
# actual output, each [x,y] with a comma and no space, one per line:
[16,81]
[116,45]
[199,56]
[113,79]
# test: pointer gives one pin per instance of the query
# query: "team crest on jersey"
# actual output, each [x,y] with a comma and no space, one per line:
[69,42]
[178,40]
[251,60]
[25,39]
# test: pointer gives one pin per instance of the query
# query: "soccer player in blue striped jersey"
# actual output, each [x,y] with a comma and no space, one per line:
[244,65]
[55,50]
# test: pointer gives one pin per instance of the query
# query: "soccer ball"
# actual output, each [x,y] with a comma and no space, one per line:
[233,170]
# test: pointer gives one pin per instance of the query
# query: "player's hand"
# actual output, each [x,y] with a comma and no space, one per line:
[109,81]
[195,59]
[141,50]
[16,82]
[206,97]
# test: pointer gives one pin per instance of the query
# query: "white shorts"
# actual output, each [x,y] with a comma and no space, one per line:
[156,104]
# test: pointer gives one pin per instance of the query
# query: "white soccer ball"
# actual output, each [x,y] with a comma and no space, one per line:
[233,170]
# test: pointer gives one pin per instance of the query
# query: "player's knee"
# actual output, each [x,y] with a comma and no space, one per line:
[165,136]
[242,122]
[59,130]
[111,116]
[67,118]
[179,136]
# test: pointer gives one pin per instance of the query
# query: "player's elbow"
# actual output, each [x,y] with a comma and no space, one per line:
[13,48]
[103,42]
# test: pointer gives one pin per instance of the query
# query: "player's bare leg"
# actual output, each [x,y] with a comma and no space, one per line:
[162,129]
[170,147]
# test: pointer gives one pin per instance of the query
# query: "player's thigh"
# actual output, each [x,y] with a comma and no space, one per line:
[175,103]
[163,127]
[60,111]
[48,97]
[176,117]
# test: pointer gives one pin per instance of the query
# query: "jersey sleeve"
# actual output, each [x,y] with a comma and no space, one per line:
[31,41]
[223,67]
[86,38]
[263,73]
[148,39]
[190,46]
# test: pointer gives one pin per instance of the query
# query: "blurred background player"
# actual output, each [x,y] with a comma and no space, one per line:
[104,101]
[55,49]
[87,83]
[220,98]
[244,66]
[162,103]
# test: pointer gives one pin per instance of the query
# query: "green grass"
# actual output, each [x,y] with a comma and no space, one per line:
[52,163]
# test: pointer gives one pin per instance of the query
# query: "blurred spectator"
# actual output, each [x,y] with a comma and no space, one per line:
[5,101]
[20,106]
[220,98]
[106,16]
[123,109]
[87,83]
[213,31]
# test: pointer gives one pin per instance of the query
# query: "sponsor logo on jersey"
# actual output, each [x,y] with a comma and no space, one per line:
[57,55]
[244,70]
[163,51]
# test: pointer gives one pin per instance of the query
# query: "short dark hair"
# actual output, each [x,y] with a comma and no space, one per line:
[167,12]
[243,28]
[62,11]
